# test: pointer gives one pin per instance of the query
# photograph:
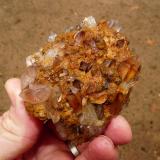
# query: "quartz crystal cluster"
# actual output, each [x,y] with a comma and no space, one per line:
[80,79]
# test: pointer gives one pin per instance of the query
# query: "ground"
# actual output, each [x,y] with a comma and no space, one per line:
[25,26]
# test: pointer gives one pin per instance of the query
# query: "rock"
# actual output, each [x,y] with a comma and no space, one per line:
[80,79]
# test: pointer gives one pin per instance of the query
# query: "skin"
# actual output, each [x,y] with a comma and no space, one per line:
[23,137]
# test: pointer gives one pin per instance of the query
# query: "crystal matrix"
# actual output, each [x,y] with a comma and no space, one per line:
[80,79]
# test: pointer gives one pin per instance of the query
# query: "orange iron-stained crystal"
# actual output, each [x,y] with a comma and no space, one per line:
[80,79]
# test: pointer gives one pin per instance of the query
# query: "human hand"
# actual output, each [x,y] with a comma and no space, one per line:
[24,137]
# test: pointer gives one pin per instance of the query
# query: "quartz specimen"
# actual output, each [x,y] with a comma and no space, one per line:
[80,79]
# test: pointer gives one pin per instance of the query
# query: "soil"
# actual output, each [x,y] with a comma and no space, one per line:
[25,26]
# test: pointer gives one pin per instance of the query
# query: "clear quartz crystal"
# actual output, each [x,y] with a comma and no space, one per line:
[52,37]
[115,25]
[51,53]
[28,76]
[89,22]
[32,59]
[36,93]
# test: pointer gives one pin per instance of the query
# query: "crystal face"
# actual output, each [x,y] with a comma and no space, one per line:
[80,79]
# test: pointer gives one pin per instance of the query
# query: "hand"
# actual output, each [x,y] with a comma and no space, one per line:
[23,137]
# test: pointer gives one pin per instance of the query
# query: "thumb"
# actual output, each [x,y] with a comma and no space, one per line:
[18,130]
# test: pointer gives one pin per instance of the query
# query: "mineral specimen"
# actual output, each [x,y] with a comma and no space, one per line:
[80,79]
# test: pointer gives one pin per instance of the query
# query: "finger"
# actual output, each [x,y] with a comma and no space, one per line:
[13,88]
[49,148]
[18,130]
[119,131]
[101,148]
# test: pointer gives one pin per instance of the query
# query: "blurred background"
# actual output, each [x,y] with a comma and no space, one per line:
[25,26]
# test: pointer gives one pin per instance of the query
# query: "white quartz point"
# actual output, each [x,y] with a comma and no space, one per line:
[51,54]
[30,60]
[52,37]
[89,22]
[55,51]
[115,25]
